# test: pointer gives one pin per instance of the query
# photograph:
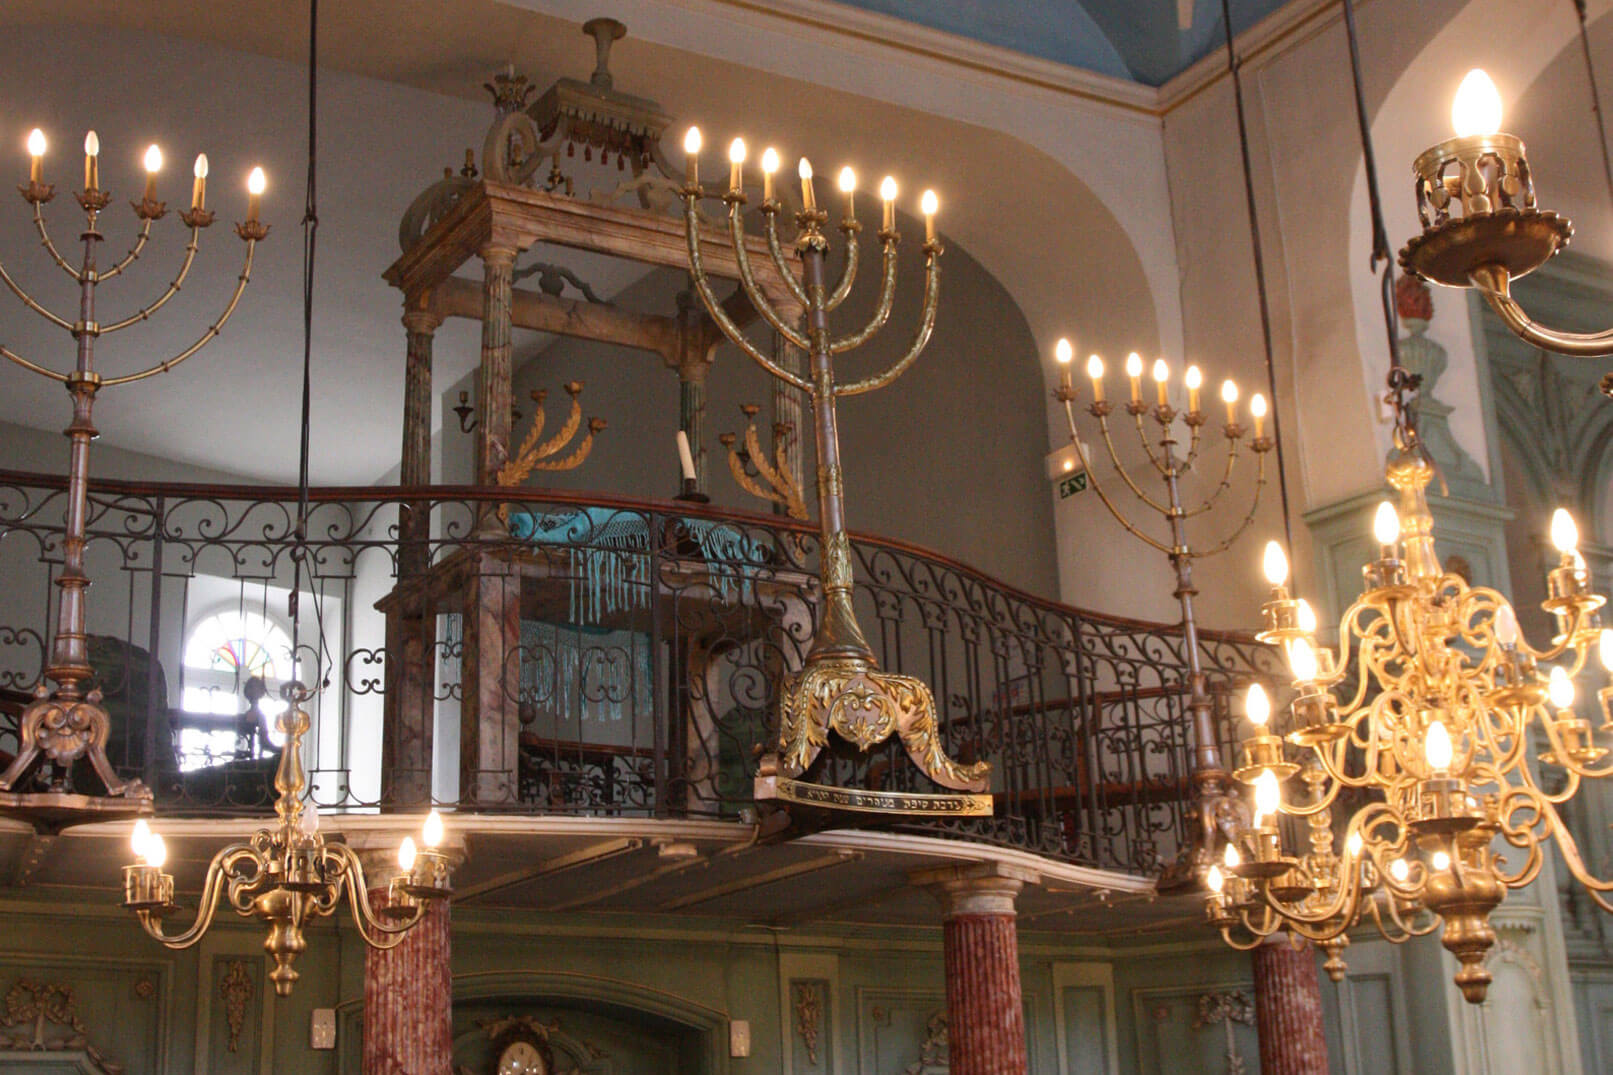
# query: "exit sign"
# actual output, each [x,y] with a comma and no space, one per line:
[1075,483]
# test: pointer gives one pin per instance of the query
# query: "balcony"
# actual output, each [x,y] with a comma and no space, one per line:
[524,653]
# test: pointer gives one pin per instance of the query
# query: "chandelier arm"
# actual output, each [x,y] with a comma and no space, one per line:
[212,330]
[1103,495]
[1309,809]
[207,906]
[848,276]
[28,301]
[27,365]
[1223,486]
[747,278]
[376,933]
[921,334]
[1255,940]
[129,258]
[714,307]
[162,300]
[887,296]
[1254,505]
[50,246]
[780,262]
[1493,282]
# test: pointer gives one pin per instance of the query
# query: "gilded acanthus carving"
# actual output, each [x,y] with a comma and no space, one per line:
[43,1017]
[237,990]
[808,1007]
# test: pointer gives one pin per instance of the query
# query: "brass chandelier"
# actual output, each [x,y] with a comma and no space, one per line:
[1420,729]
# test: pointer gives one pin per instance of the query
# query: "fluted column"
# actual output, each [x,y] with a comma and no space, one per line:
[493,415]
[408,991]
[1288,1009]
[985,1003]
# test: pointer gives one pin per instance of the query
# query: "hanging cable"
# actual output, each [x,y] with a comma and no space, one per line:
[1596,96]
[1234,66]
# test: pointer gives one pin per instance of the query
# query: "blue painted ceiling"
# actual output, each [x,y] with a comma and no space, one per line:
[1140,40]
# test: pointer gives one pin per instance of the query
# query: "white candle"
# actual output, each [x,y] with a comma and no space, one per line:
[685,456]
[691,156]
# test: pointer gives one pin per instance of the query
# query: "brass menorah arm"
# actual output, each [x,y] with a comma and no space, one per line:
[29,301]
[887,296]
[770,212]
[921,335]
[1114,459]
[747,278]
[50,246]
[162,300]
[850,229]
[206,337]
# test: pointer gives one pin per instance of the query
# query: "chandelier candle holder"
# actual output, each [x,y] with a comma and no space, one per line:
[1444,702]
[289,875]
[840,686]
[67,722]
[1481,226]
[754,473]
[1217,804]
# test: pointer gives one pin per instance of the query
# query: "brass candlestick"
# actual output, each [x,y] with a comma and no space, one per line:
[68,722]
[840,685]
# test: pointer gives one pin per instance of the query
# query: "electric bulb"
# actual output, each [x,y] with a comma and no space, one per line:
[1305,616]
[1302,660]
[153,159]
[1268,796]
[1229,391]
[1560,688]
[804,169]
[1506,627]
[1193,378]
[1440,860]
[256,182]
[92,145]
[140,838]
[1564,534]
[1477,107]
[310,818]
[691,140]
[407,854]
[432,831]
[1605,647]
[1214,879]
[769,160]
[1437,747]
[1094,367]
[1257,405]
[156,852]
[1257,706]
[1063,351]
[1386,524]
[887,189]
[736,151]
[1231,857]
[36,143]
[1162,372]
[1399,870]
[1352,844]
[1134,365]
[929,204]
[847,180]
[199,170]
[1275,561]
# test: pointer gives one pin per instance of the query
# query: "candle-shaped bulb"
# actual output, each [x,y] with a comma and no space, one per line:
[736,151]
[736,165]
[1194,379]
[1477,107]
[691,156]
[198,189]
[153,158]
[256,182]
[691,141]
[847,180]
[1437,747]
[1231,857]
[1229,396]
[1305,616]
[1257,407]
[1134,365]
[929,204]
[1399,870]
[1564,534]
[140,838]
[1063,351]
[1215,880]
[804,169]
[1386,524]
[809,198]
[887,188]
[1604,648]
[92,151]
[1560,688]
[1162,372]
[36,143]
[1506,626]
[432,832]
[156,852]
[199,169]
[1095,367]
[1440,860]
[769,160]
[1302,660]
[407,853]
[1353,843]
[310,818]
[1268,796]
[1275,564]
[887,197]
[1257,706]
[92,145]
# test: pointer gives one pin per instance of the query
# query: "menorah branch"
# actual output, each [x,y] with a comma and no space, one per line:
[32,367]
[134,251]
[921,335]
[887,295]
[50,247]
[212,330]
[747,278]
[770,213]
[28,301]
[849,227]
[173,289]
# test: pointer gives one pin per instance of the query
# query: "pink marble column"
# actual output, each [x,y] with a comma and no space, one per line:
[985,1004]
[408,998]
[1288,1010]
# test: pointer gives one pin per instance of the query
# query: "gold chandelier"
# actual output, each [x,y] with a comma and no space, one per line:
[288,875]
[1422,728]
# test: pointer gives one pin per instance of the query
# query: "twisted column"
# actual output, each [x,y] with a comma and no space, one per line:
[985,1003]
[1288,1009]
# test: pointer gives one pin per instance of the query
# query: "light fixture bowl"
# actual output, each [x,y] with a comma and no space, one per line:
[1263,869]
[1517,240]
[1318,735]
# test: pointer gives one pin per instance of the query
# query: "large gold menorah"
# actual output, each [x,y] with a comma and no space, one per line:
[839,686]
[69,722]
[1214,796]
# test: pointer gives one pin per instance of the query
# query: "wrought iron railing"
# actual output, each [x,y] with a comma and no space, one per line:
[622,659]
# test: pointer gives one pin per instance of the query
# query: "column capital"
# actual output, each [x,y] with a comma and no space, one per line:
[498,254]
[975,887]
[425,320]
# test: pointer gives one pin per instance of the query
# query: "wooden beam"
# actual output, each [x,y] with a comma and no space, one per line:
[783,873]
[534,310]
[583,856]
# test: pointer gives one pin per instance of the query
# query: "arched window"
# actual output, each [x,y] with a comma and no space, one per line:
[223,654]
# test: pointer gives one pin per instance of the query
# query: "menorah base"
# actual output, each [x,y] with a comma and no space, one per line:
[61,730]
[865,706]
[52,811]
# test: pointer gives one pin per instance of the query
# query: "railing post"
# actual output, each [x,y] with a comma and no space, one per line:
[155,703]
[662,533]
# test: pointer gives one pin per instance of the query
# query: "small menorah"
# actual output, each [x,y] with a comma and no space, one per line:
[839,686]
[768,480]
[546,456]
[1211,781]
[69,722]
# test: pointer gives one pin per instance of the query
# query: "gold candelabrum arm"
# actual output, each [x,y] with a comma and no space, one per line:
[775,485]
[162,300]
[921,334]
[376,931]
[770,213]
[534,456]
[206,337]
[1493,282]
[714,306]
[1103,494]
[50,246]
[134,251]
[220,873]
[850,228]
[887,297]
[747,278]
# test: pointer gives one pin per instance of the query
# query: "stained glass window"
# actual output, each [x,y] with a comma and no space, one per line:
[223,652]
